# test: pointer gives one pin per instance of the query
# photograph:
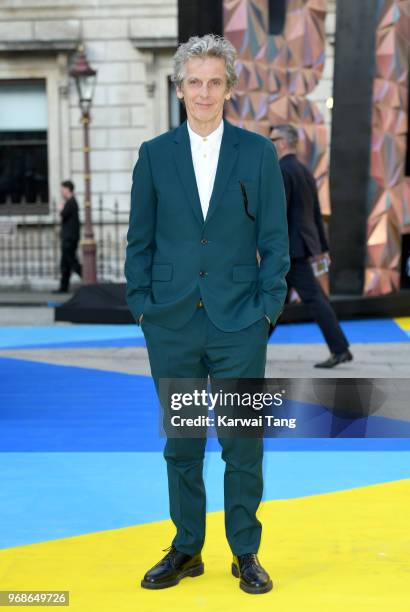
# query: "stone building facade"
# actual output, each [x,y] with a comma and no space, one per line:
[130,44]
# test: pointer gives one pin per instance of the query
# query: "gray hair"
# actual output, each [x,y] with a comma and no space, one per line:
[290,133]
[210,45]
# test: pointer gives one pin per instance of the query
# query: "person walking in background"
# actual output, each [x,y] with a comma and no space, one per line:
[307,242]
[70,236]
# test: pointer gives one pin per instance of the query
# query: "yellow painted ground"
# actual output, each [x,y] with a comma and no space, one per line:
[403,322]
[347,551]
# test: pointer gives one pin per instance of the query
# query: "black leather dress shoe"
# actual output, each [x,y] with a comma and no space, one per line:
[253,578]
[335,359]
[169,571]
[60,290]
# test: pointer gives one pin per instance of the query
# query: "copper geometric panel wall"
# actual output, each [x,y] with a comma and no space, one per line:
[276,72]
[389,207]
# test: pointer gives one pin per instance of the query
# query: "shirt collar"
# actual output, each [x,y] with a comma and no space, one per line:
[213,139]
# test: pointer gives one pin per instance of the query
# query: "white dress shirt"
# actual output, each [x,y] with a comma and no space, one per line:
[205,154]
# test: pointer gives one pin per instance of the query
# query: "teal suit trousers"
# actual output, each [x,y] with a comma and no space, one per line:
[196,351]
[235,261]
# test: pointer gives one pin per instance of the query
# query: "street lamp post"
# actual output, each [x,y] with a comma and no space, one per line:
[85,78]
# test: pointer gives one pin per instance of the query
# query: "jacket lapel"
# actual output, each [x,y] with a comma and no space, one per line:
[185,167]
[228,155]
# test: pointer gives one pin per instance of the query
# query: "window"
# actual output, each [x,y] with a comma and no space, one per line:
[23,145]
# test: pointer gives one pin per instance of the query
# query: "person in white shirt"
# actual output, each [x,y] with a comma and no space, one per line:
[206,198]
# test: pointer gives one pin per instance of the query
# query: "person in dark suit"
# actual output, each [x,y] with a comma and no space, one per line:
[205,198]
[70,235]
[307,242]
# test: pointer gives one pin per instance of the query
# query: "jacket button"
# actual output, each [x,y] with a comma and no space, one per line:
[204,241]
[203,273]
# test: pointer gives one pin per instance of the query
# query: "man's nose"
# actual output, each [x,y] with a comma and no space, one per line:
[204,90]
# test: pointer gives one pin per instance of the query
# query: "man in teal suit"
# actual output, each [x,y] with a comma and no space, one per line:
[207,198]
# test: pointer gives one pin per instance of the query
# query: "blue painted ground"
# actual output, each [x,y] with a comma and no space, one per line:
[364,331]
[54,495]
[81,450]
[47,407]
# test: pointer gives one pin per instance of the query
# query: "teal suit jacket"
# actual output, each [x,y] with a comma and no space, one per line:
[174,257]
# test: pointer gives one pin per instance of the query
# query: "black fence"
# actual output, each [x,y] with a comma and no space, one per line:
[30,247]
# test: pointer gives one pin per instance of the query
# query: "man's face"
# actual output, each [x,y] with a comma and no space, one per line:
[65,193]
[279,141]
[204,88]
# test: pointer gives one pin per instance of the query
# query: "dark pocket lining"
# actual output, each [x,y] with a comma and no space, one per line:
[237,188]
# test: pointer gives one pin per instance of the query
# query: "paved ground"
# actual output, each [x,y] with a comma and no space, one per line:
[372,360]
[17,297]
[87,507]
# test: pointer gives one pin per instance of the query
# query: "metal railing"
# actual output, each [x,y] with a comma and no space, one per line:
[30,246]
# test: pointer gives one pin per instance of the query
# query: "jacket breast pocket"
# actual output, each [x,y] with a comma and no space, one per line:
[245,273]
[161,272]
[233,185]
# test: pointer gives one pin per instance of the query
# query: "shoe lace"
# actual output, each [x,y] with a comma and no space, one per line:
[168,548]
[171,552]
[248,559]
